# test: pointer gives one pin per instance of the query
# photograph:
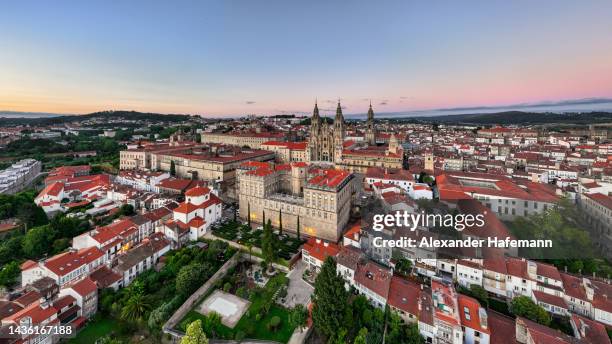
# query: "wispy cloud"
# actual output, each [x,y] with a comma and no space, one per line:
[250,102]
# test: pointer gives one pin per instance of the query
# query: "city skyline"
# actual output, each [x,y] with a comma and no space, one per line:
[237,58]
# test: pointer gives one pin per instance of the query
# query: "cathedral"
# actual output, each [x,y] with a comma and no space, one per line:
[326,141]
[326,144]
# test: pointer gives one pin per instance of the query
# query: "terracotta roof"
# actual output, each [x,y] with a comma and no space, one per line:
[602,199]
[470,313]
[64,263]
[503,328]
[64,301]
[374,277]
[404,295]
[319,249]
[549,299]
[590,330]
[84,287]
[28,298]
[197,191]
[104,277]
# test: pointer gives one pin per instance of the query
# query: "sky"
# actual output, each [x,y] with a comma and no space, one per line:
[234,57]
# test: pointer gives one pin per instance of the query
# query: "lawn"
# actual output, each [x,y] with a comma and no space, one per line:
[95,329]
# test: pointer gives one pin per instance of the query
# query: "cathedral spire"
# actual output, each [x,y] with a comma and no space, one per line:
[315,112]
[339,116]
[370,112]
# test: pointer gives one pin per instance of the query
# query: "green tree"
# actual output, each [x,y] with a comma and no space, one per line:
[38,241]
[249,214]
[361,336]
[9,274]
[172,168]
[330,299]
[212,323]
[298,316]
[190,278]
[30,215]
[480,294]
[195,334]
[127,210]
[523,306]
[267,243]
[280,221]
[403,266]
[135,308]
[298,226]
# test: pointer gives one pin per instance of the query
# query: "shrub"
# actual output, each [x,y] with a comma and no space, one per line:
[274,323]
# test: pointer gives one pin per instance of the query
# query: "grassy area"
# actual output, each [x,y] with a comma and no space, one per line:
[254,323]
[95,329]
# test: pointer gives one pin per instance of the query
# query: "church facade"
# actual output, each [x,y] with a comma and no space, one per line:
[326,141]
[326,145]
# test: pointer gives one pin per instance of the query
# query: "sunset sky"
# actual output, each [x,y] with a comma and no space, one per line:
[260,56]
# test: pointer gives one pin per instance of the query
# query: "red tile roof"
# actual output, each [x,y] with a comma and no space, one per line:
[64,263]
[374,277]
[84,287]
[404,295]
[602,199]
[197,191]
[470,312]
[319,249]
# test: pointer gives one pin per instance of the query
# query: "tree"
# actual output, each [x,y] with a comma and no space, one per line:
[280,221]
[9,274]
[298,316]
[172,168]
[249,213]
[212,323]
[298,226]
[267,243]
[135,308]
[330,299]
[190,278]
[403,266]
[38,241]
[523,306]
[480,294]
[127,210]
[195,334]
[274,323]
[29,215]
[361,336]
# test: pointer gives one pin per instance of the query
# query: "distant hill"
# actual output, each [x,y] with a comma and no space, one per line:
[127,115]
[518,117]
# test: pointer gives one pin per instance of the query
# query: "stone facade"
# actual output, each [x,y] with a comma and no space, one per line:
[320,198]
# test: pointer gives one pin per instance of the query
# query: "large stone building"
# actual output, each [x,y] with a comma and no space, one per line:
[250,139]
[327,144]
[211,162]
[326,141]
[315,199]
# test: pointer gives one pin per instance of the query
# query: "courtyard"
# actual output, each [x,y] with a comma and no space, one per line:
[229,307]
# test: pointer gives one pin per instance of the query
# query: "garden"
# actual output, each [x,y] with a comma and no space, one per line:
[139,310]
[286,245]
[264,319]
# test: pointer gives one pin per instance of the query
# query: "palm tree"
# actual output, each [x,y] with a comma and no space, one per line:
[135,308]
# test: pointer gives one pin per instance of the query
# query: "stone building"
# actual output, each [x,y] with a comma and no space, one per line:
[316,198]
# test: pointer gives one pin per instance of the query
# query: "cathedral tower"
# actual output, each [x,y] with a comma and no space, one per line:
[370,134]
[339,134]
